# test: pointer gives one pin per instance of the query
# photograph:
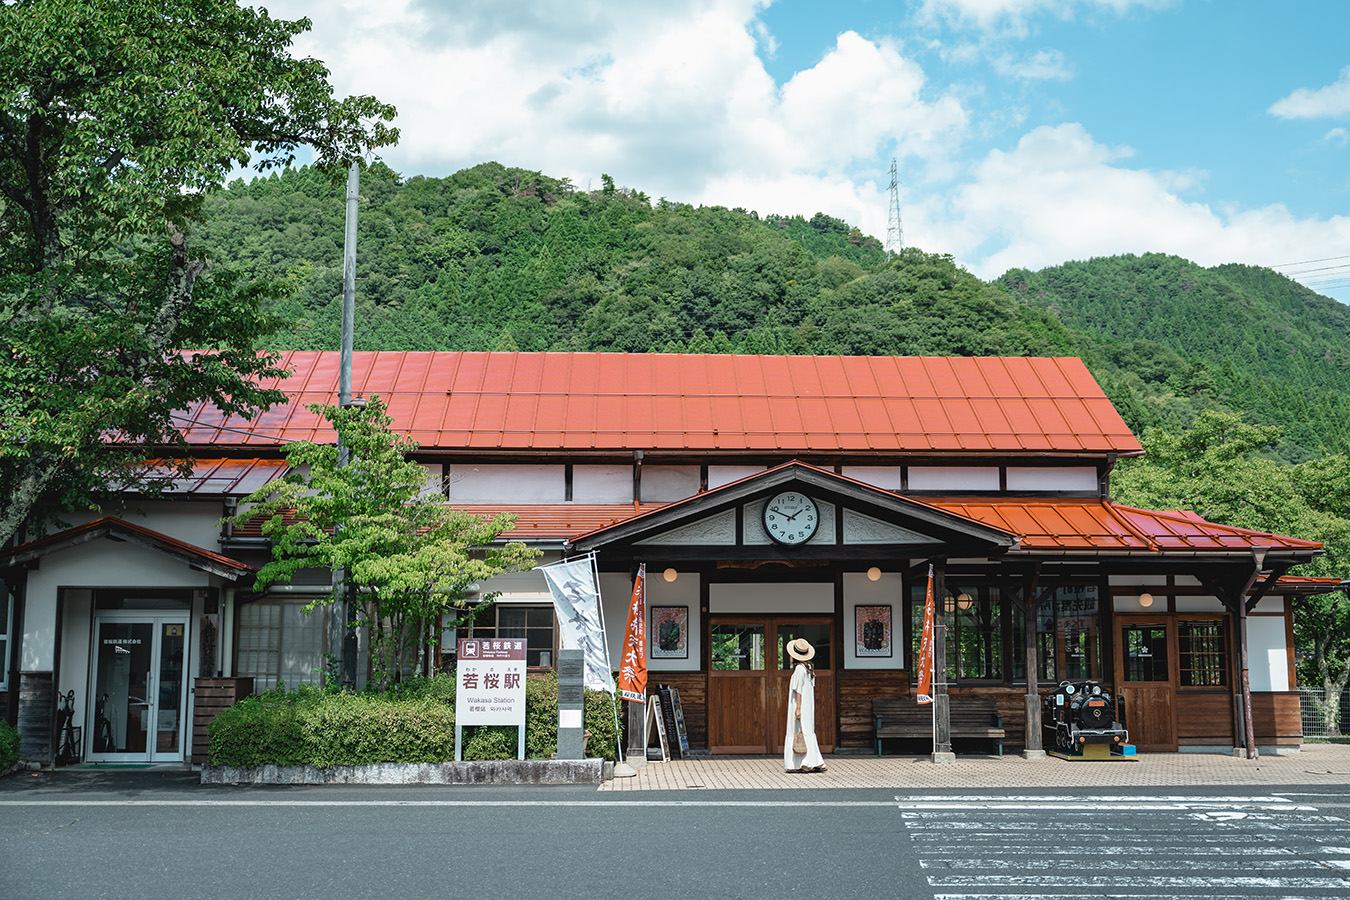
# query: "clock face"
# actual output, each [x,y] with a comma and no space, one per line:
[791,518]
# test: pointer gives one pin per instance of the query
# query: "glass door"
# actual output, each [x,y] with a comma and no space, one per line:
[1145,664]
[139,699]
[819,633]
[749,679]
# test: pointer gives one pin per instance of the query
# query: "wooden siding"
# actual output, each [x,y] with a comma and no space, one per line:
[1277,719]
[36,707]
[693,688]
[1205,718]
[857,689]
[213,695]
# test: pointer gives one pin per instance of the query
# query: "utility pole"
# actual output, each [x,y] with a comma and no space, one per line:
[343,633]
[895,232]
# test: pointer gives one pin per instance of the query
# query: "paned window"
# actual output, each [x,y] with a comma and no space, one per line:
[986,640]
[280,643]
[1200,653]
[976,626]
[1068,636]
[534,623]
[1145,652]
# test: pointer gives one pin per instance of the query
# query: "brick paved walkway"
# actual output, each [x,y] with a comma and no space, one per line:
[1315,764]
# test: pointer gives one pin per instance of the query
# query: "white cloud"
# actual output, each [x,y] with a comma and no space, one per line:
[1013,15]
[1337,136]
[1044,65]
[1060,195]
[1332,101]
[668,97]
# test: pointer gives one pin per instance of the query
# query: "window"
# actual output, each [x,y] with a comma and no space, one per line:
[1200,653]
[506,620]
[280,643]
[1068,636]
[976,625]
[986,640]
[1145,652]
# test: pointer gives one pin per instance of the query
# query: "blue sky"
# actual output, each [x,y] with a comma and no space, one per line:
[1028,132]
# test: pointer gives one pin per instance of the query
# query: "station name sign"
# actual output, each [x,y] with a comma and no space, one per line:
[490,682]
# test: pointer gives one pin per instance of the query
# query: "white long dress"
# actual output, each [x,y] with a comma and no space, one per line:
[805,685]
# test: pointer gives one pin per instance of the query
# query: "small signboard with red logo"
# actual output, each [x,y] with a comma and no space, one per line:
[490,682]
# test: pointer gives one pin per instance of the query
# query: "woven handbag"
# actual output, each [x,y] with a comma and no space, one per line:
[799,743]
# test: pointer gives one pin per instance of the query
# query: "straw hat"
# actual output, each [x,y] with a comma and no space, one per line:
[801,650]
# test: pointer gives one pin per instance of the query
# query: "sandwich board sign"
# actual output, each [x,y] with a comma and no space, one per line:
[490,687]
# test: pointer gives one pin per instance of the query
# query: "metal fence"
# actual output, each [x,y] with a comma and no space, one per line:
[1315,726]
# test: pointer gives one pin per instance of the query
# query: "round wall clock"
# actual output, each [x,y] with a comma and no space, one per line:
[791,518]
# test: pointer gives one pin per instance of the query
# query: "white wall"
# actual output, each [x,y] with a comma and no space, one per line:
[684,591]
[720,475]
[771,598]
[953,478]
[508,484]
[193,521]
[662,484]
[1052,478]
[888,591]
[1267,653]
[99,564]
[887,478]
[602,484]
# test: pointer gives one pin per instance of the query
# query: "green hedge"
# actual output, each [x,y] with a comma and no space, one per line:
[9,746]
[412,722]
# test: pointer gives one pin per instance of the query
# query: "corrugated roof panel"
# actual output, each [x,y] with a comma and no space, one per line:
[620,402]
[1101,525]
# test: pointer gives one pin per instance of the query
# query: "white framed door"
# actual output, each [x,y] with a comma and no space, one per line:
[138,688]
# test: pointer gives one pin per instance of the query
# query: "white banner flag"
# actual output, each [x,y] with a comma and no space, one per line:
[576,597]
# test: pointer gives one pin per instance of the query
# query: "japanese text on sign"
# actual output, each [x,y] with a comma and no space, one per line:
[491,682]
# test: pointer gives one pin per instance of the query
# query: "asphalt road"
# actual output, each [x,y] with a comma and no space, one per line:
[149,836]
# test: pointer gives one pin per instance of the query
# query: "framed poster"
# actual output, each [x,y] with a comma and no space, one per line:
[670,632]
[872,630]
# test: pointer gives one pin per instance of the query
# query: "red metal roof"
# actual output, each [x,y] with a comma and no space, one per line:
[700,403]
[1067,525]
[227,477]
[1099,525]
[561,521]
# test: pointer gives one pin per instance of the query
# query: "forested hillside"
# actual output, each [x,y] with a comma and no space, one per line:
[1246,336]
[498,258]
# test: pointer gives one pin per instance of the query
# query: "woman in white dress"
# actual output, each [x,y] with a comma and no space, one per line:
[801,712]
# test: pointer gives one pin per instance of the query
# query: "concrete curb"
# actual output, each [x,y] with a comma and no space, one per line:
[505,771]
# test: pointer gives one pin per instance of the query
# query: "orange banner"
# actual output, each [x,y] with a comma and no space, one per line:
[633,669]
[925,660]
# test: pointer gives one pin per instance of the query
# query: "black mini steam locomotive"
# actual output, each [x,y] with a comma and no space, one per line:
[1080,713]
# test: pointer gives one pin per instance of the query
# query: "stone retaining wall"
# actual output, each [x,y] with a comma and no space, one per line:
[505,771]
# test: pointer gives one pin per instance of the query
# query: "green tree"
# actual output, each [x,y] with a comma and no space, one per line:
[1216,470]
[116,121]
[409,555]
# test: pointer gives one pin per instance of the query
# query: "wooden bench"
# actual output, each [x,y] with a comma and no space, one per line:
[970,718]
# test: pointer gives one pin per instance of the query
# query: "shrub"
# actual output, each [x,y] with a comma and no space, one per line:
[9,747]
[413,721]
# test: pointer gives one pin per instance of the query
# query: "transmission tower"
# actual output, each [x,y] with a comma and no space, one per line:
[895,233]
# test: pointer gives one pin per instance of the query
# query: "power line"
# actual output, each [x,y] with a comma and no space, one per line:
[1307,261]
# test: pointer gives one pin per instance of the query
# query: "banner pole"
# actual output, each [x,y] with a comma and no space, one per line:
[614,696]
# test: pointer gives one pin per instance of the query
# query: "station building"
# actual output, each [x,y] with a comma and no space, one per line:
[770,498]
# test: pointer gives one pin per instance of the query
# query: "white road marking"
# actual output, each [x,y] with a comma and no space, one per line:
[1172,847]
[611,804]
[1131,881]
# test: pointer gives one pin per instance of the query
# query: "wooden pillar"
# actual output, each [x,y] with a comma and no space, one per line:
[1248,725]
[1032,745]
[942,712]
